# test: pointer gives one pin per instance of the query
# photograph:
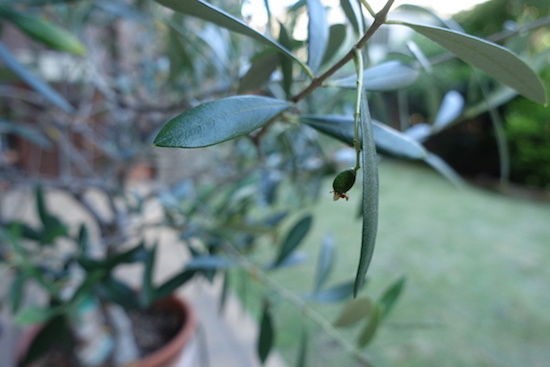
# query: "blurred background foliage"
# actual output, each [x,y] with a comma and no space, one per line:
[84,122]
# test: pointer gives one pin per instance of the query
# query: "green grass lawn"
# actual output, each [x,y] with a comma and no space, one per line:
[477,268]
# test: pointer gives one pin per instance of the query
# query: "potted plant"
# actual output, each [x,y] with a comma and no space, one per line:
[241,212]
[78,317]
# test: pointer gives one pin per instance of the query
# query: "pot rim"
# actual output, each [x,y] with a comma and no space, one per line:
[171,350]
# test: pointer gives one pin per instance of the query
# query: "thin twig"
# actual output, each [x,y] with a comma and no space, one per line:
[379,20]
[368,7]
[259,275]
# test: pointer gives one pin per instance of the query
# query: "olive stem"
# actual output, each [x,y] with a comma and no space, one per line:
[358,61]
[379,20]
[258,274]
[368,7]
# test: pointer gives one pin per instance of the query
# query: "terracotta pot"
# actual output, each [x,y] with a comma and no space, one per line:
[178,352]
[173,353]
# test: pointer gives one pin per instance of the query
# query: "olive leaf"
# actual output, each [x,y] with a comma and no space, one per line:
[370,328]
[391,75]
[336,41]
[354,311]
[267,334]
[286,64]
[325,262]
[205,11]
[352,11]
[387,139]
[390,296]
[369,167]
[43,31]
[259,72]
[335,293]
[317,33]
[450,109]
[293,239]
[218,121]
[495,60]
[301,361]
[32,80]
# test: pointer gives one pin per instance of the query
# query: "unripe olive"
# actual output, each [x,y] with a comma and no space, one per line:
[342,183]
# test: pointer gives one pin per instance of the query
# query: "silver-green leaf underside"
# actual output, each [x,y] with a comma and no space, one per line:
[391,75]
[369,167]
[317,33]
[387,139]
[496,61]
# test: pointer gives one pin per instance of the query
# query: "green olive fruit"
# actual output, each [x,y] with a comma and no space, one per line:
[342,183]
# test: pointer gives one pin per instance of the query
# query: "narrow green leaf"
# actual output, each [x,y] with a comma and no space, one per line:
[295,258]
[444,169]
[173,283]
[496,99]
[83,239]
[267,334]
[135,254]
[333,294]
[218,121]
[119,292]
[259,72]
[33,81]
[391,75]
[52,227]
[16,291]
[336,126]
[24,230]
[416,12]
[390,296]
[86,288]
[369,166]
[43,31]
[36,315]
[286,64]
[353,13]
[336,41]
[301,361]
[420,57]
[396,143]
[205,11]
[387,139]
[450,109]
[180,52]
[324,263]
[497,61]
[41,209]
[294,238]
[225,291]
[55,332]
[147,296]
[317,33]
[368,332]
[354,311]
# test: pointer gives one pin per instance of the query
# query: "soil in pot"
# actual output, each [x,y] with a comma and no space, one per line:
[153,329]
